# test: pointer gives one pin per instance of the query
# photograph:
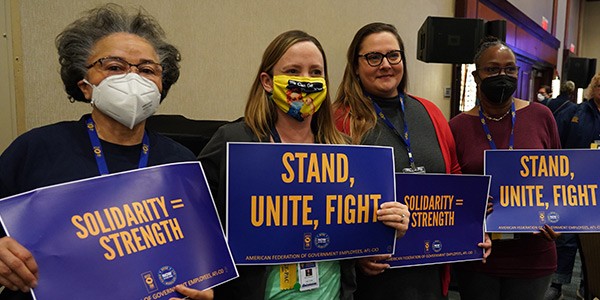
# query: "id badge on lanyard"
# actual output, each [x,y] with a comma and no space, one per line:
[308,276]
[301,276]
[416,170]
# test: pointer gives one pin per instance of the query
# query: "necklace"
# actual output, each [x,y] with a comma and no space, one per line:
[488,133]
[497,119]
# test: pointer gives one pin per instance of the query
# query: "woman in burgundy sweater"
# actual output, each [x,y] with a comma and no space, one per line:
[521,267]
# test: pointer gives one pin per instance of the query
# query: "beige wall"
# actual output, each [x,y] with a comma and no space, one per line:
[535,10]
[221,44]
[561,25]
[572,32]
[8,128]
[590,42]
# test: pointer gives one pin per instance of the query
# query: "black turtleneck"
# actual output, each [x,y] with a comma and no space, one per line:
[424,143]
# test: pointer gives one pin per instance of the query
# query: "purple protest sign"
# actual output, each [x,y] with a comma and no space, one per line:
[130,235]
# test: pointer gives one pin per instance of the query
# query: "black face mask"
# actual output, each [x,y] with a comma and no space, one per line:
[498,89]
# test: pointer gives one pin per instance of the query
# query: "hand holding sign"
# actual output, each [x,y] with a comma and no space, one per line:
[486,246]
[23,270]
[395,215]
[548,233]
[374,265]
[193,294]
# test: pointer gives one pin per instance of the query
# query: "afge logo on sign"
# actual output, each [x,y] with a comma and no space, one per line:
[437,246]
[307,241]
[149,282]
[322,240]
[167,275]
[553,217]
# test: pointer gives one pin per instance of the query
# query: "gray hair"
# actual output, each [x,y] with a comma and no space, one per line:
[75,42]
[567,87]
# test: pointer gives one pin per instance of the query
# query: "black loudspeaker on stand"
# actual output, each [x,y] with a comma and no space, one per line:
[580,70]
[454,40]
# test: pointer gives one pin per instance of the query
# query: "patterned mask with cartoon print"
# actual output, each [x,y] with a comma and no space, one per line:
[298,96]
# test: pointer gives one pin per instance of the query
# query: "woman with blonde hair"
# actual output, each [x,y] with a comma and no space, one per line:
[293,61]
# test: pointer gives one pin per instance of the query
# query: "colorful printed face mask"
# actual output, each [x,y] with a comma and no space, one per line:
[298,96]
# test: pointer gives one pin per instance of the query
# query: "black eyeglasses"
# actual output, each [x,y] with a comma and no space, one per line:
[375,59]
[116,66]
[492,71]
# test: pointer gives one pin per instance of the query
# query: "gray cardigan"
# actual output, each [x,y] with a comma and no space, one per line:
[251,283]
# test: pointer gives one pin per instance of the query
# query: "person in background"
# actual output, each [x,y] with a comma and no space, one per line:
[584,127]
[566,251]
[563,108]
[373,107]
[116,61]
[582,131]
[544,94]
[293,56]
[519,268]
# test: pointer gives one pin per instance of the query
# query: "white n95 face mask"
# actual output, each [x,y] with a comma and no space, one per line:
[129,99]
[540,97]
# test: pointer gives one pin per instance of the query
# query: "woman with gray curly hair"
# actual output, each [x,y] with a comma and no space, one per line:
[76,44]
[121,64]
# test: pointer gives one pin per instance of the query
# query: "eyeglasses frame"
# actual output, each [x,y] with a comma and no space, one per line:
[382,56]
[500,70]
[102,59]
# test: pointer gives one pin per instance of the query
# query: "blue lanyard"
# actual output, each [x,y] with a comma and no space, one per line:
[405,137]
[488,134]
[275,135]
[97,148]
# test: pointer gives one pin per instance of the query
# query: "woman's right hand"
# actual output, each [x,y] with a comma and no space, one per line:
[18,269]
[395,215]
[193,294]
[371,265]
